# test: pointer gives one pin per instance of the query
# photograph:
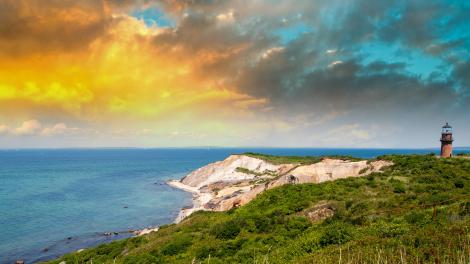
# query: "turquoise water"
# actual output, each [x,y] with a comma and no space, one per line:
[57,201]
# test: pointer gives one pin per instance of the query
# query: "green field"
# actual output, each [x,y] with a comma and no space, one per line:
[417,211]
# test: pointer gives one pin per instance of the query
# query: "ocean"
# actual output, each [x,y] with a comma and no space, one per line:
[57,201]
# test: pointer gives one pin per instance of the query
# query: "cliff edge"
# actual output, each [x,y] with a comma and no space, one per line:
[237,180]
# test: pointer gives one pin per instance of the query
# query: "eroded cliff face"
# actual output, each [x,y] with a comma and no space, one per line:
[238,179]
[226,171]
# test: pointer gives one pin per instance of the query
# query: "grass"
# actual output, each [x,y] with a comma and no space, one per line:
[257,174]
[302,160]
[417,211]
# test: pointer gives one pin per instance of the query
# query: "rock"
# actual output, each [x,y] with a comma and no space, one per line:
[226,171]
[320,212]
[145,231]
[19,262]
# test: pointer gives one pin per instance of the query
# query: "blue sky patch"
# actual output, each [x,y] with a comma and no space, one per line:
[289,33]
[154,16]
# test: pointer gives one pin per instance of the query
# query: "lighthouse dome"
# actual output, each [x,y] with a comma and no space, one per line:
[447,129]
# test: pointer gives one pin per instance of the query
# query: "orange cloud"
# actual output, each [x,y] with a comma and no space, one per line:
[101,67]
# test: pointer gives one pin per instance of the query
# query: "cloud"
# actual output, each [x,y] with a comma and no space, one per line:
[331,51]
[350,132]
[228,17]
[28,128]
[334,63]
[57,129]
[231,64]
[272,51]
[4,129]
[31,26]
[36,128]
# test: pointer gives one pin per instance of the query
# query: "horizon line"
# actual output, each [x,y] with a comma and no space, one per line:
[223,147]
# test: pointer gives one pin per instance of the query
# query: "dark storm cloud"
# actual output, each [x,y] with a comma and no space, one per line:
[301,76]
[36,27]
[197,32]
[462,74]
[39,26]
[436,27]
[372,89]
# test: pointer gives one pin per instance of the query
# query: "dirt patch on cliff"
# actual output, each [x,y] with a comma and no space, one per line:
[321,211]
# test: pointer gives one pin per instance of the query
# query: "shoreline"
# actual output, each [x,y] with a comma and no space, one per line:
[198,201]
[225,185]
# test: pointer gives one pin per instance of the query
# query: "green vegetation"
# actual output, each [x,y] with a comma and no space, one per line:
[257,174]
[417,211]
[302,160]
[284,159]
[247,171]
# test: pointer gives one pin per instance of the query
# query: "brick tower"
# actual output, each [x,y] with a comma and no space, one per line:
[446,141]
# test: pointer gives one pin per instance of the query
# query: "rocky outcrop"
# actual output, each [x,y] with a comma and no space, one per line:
[321,211]
[226,171]
[238,179]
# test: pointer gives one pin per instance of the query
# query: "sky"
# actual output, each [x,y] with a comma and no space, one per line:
[228,73]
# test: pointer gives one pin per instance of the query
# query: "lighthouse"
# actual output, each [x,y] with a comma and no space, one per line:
[446,141]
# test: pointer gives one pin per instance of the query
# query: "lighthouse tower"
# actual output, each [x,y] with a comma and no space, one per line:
[446,141]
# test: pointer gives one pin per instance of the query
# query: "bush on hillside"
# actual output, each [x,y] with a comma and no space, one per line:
[337,234]
[227,230]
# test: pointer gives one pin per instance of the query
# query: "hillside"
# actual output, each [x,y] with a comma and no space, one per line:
[238,179]
[416,211]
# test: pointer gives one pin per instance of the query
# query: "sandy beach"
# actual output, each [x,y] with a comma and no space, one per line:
[199,199]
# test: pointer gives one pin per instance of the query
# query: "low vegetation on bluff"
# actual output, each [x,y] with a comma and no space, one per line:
[301,160]
[417,211]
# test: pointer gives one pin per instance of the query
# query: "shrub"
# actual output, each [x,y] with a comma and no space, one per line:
[391,230]
[335,235]
[296,225]
[142,259]
[398,188]
[177,246]
[459,184]
[262,224]
[206,251]
[231,247]
[227,230]
[309,243]
[113,249]
[361,220]
[416,218]
[359,208]
[299,206]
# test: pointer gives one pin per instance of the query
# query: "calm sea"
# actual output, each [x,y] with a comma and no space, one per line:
[57,201]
